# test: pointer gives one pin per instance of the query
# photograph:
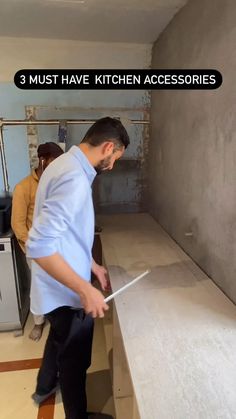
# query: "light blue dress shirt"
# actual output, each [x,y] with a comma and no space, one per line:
[64,223]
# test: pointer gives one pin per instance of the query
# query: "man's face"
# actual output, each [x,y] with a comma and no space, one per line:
[46,161]
[50,160]
[108,162]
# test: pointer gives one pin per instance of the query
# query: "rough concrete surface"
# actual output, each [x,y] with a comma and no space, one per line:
[177,327]
[193,148]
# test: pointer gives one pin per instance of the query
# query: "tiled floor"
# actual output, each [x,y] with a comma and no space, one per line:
[19,361]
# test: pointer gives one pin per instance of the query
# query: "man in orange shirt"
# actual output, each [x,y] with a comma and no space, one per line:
[23,208]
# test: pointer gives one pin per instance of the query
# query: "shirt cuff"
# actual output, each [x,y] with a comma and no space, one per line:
[38,250]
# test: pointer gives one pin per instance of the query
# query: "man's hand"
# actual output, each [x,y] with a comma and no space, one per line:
[101,273]
[91,298]
[93,301]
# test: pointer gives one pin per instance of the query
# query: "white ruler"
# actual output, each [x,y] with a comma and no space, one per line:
[110,297]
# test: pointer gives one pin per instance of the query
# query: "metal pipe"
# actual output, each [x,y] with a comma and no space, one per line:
[56,122]
[12,122]
[4,163]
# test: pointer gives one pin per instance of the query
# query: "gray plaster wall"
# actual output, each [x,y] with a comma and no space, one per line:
[192,161]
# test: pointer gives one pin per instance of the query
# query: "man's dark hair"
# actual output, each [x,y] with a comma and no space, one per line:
[48,150]
[107,129]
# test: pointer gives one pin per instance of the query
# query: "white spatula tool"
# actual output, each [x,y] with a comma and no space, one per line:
[110,297]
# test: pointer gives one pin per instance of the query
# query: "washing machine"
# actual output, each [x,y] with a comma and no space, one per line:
[14,284]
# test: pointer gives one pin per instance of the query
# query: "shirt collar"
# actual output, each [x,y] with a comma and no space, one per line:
[34,174]
[86,165]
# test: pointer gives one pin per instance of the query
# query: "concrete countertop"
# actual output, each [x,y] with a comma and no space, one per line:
[178,328]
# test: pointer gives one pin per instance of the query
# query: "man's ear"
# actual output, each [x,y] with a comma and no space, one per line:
[107,148]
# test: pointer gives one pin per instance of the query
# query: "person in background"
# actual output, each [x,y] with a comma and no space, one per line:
[23,207]
[60,246]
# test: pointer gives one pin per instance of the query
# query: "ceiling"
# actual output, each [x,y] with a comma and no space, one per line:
[134,21]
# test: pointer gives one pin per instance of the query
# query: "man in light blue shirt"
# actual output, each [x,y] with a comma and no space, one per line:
[60,243]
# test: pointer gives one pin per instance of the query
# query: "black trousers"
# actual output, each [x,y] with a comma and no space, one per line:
[67,356]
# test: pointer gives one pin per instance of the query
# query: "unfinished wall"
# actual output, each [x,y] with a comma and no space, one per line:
[193,140]
[124,192]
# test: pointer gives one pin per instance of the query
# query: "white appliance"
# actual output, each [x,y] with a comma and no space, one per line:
[14,284]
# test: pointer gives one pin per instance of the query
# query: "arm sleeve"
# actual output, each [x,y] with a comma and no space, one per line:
[65,198]
[19,214]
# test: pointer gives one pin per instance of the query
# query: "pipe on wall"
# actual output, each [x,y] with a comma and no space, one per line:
[14,122]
